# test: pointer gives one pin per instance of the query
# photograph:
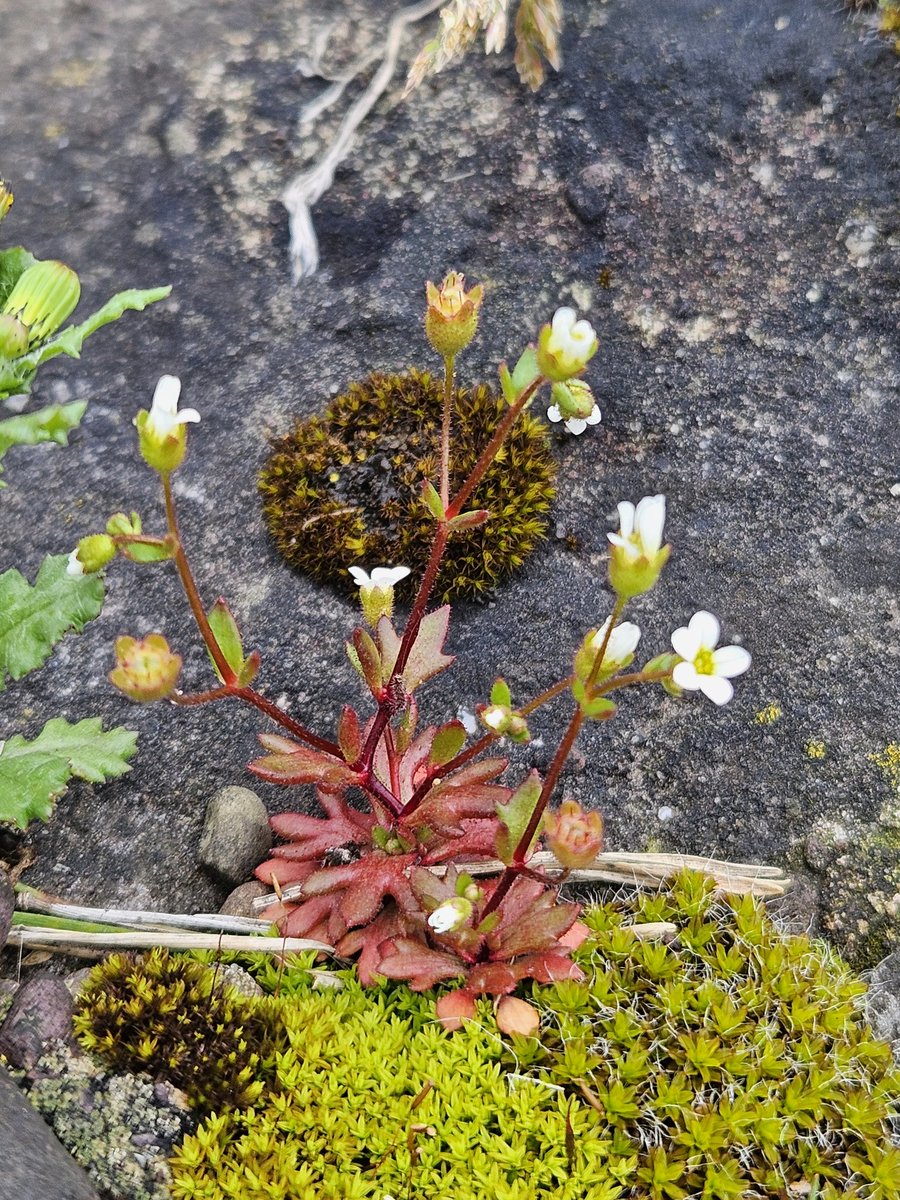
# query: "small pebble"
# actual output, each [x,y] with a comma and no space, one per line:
[236,835]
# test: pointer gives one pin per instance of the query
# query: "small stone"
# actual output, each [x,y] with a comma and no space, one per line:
[41,1012]
[237,978]
[236,835]
[883,1001]
[239,903]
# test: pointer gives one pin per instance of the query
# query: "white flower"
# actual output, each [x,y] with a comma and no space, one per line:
[450,915]
[381,577]
[621,645]
[565,346]
[640,529]
[164,416]
[74,566]
[704,667]
[575,425]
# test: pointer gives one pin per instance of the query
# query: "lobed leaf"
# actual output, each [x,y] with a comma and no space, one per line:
[290,763]
[426,659]
[34,774]
[34,619]
[515,815]
[52,424]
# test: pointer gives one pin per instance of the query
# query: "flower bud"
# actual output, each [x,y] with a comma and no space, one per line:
[162,433]
[451,317]
[637,555]
[43,297]
[451,915]
[619,651]
[574,836]
[145,670]
[573,398]
[121,525]
[13,337]
[565,346]
[94,552]
[6,199]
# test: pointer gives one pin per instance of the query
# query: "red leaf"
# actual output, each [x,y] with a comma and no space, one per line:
[426,659]
[309,919]
[283,872]
[476,841]
[367,942]
[348,734]
[547,968]
[364,885]
[407,958]
[291,763]
[517,1016]
[311,837]
[495,979]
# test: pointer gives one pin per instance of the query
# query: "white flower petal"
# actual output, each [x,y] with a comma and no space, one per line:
[165,396]
[730,661]
[360,577]
[594,418]
[563,321]
[685,643]
[74,565]
[187,416]
[386,577]
[719,690]
[685,676]
[626,518]
[704,626]
[618,540]
[576,425]
[650,517]
[553,413]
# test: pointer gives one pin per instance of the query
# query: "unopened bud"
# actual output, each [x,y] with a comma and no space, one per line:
[573,398]
[43,297]
[147,669]
[574,836]
[95,551]
[565,346]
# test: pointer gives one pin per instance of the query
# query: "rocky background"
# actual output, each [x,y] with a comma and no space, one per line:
[715,186]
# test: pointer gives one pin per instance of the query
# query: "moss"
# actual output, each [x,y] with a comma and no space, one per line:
[768,715]
[344,489]
[734,1061]
[175,1017]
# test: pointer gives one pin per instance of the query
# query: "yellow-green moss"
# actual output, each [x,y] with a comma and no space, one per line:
[344,489]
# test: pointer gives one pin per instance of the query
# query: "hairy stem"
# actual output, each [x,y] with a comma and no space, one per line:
[445,430]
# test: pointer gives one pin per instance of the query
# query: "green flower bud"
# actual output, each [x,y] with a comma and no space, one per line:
[13,337]
[451,318]
[43,297]
[145,670]
[95,551]
[573,398]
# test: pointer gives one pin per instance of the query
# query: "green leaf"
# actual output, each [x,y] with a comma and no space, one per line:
[227,635]
[596,708]
[34,774]
[53,424]
[447,743]
[34,619]
[469,520]
[73,338]
[433,501]
[349,736]
[500,694]
[514,817]
[13,262]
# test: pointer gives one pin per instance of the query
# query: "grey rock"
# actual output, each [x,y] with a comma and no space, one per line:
[883,1001]
[234,976]
[7,903]
[41,1012]
[236,835]
[33,1163]
[239,903]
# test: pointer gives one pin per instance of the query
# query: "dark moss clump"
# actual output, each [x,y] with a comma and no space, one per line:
[344,489]
[174,1017]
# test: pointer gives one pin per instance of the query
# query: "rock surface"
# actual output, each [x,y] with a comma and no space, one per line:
[35,1166]
[716,188]
[41,1012]
[236,836]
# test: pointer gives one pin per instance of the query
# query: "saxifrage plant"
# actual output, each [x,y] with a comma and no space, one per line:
[386,881]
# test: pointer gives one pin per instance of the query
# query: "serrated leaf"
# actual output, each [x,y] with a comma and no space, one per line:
[13,262]
[426,658]
[34,619]
[227,635]
[365,656]
[447,743]
[33,774]
[290,762]
[52,424]
[514,817]
[433,501]
[73,338]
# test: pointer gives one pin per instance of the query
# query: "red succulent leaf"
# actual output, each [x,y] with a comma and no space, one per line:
[311,837]
[426,658]
[407,958]
[290,763]
[537,927]
[309,919]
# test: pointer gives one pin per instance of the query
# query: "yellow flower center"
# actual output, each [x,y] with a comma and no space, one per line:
[703,662]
